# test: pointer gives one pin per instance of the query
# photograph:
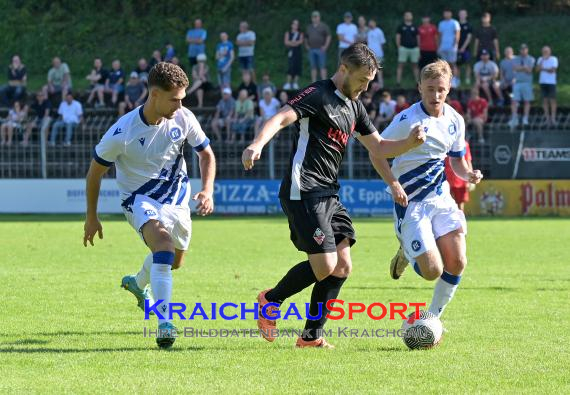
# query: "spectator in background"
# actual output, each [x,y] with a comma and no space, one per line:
[135,94]
[59,79]
[458,187]
[268,107]
[487,77]
[401,104]
[249,86]
[196,39]
[17,79]
[283,98]
[362,34]
[522,90]
[376,40]
[176,61]
[71,113]
[115,80]
[156,58]
[477,113]
[451,99]
[369,105]
[346,33]
[224,114]
[97,79]
[142,70]
[169,52]
[449,32]
[41,107]
[243,116]
[318,39]
[200,78]
[224,59]
[386,111]
[293,41]
[464,54]
[507,73]
[427,36]
[407,43]
[266,83]
[486,38]
[245,42]
[16,116]
[547,65]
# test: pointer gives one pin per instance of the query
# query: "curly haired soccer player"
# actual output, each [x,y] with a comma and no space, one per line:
[146,146]
[327,113]
[430,226]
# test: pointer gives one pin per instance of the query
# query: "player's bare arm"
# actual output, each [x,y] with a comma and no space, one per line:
[462,170]
[92,224]
[285,117]
[205,197]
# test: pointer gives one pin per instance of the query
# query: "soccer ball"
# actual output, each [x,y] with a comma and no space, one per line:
[422,333]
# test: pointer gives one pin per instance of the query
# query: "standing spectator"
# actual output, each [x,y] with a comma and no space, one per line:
[266,83]
[243,116]
[547,65]
[486,38]
[362,34]
[268,107]
[71,113]
[346,33]
[283,98]
[224,57]
[41,108]
[428,36]
[407,42]
[155,59]
[376,40]
[318,39]
[249,86]
[115,80]
[245,41]
[522,90]
[142,70]
[464,55]
[477,113]
[196,39]
[17,79]
[200,78]
[293,41]
[507,72]
[487,77]
[386,111]
[449,32]
[401,104]
[135,94]
[169,51]
[459,188]
[59,79]
[16,116]
[97,79]
[224,114]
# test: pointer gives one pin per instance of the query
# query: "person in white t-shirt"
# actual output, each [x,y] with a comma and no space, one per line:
[268,107]
[547,65]
[71,113]
[346,33]
[376,40]
[386,111]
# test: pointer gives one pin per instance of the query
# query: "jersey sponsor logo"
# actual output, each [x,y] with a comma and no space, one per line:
[117,131]
[452,129]
[175,133]
[338,136]
[416,245]
[141,140]
[319,236]
[302,95]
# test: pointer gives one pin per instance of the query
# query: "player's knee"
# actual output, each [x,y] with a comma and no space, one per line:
[343,268]
[432,273]
[430,267]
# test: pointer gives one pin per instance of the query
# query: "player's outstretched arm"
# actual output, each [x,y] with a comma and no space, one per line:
[462,169]
[285,117]
[92,223]
[205,197]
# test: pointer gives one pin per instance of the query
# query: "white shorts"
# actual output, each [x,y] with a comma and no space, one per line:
[422,223]
[176,219]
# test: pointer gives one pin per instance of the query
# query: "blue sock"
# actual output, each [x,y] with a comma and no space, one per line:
[417,269]
[443,292]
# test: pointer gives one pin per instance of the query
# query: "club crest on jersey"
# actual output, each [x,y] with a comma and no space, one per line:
[452,129]
[416,245]
[319,236]
[150,213]
[175,133]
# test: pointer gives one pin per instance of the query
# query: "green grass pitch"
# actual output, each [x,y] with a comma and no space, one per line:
[67,326]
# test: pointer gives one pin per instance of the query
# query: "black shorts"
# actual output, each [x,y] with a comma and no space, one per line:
[319,224]
[548,91]
[463,57]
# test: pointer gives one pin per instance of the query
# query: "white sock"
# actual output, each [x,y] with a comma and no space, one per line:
[443,292]
[143,276]
[161,282]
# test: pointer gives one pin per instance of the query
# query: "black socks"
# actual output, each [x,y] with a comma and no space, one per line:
[297,279]
[323,291]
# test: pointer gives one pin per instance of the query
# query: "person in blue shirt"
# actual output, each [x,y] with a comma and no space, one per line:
[224,57]
[196,39]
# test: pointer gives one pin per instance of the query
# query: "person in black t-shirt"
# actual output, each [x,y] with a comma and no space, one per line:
[486,38]
[407,39]
[41,108]
[464,54]
[97,78]
[17,76]
[327,113]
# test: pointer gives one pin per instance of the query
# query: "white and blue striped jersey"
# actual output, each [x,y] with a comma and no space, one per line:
[148,158]
[420,171]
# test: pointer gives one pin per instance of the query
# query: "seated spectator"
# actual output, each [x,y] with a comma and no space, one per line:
[451,99]
[386,111]
[115,80]
[224,114]
[201,78]
[477,113]
[155,59]
[243,116]
[175,60]
[401,104]
[248,85]
[486,78]
[135,94]
[97,79]
[283,98]
[71,113]
[17,79]
[169,52]
[59,79]
[293,41]
[369,105]
[507,73]
[266,83]
[41,108]
[16,116]
[143,68]
[224,57]
[268,107]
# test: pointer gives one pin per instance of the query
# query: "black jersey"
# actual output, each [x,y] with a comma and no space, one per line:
[326,120]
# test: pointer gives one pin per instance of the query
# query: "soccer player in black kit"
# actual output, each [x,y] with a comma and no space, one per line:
[327,113]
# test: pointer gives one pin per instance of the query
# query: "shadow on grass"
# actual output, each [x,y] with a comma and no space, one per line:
[21,342]
[14,350]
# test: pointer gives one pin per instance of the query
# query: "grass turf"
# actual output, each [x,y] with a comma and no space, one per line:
[68,327]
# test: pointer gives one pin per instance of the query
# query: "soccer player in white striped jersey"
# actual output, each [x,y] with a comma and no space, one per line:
[429,225]
[146,147]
